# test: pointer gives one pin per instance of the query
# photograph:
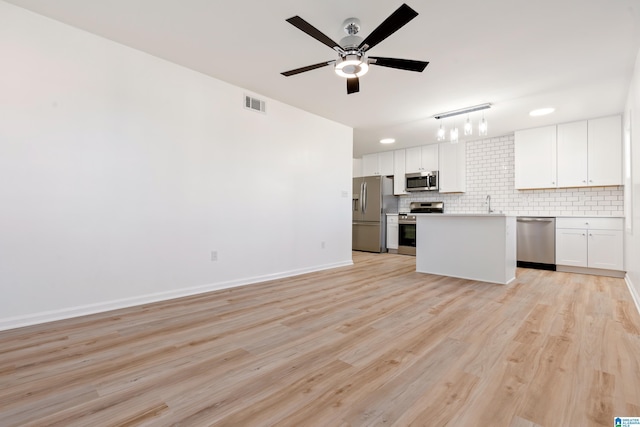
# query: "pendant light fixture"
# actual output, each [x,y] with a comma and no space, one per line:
[441,133]
[453,134]
[468,126]
[483,127]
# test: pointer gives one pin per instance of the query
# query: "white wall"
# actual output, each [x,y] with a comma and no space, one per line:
[490,171]
[121,172]
[632,175]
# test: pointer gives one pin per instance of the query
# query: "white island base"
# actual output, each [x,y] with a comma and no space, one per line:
[476,247]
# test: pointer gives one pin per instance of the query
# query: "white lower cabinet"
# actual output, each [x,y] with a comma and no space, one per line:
[605,249]
[392,232]
[590,243]
[571,247]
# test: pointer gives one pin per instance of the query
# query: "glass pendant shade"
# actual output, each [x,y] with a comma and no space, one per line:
[453,135]
[441,133]
[482,127]
[468,127]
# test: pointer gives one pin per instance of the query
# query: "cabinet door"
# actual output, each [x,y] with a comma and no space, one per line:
[392,231]
[535,158]
[453,167]
[605,249]
[370,165]
[357,168]
[385,163]
[571,247]
[429,156]
[399,172]
[413,160]
[605,151]
[572,154]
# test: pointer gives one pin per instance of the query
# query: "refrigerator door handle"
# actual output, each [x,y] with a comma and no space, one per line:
[364,201]
[361,197]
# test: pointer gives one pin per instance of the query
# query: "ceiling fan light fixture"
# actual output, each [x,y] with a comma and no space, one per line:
[353,65]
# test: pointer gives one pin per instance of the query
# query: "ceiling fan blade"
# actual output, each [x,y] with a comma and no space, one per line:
[303,25]
[393,23]
[402,64]
[307,68]
[353,85]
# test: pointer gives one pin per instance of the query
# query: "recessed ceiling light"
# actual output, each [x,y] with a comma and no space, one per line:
[542,111]
[387,141]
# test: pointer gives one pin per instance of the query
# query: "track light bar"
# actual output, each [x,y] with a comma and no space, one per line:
[462,111]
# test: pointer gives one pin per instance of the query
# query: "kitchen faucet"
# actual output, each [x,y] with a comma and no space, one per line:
[488,201]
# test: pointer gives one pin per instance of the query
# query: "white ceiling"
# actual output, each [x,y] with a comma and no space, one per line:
[574,55]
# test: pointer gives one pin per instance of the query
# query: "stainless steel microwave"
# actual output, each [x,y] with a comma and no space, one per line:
[421,181]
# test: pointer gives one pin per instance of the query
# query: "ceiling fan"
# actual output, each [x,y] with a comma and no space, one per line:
[353,61]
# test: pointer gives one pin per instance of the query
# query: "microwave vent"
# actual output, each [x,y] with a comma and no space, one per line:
[254,104]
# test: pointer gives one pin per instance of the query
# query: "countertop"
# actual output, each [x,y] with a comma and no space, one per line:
[464,215]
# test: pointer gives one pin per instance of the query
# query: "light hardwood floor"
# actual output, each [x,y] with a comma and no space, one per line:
[371,344]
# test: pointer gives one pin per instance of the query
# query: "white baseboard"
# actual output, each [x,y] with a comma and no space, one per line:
[634,293]
[67,313]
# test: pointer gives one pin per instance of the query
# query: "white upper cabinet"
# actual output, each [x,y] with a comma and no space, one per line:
[572,155]
[399,170]
[453,168]
[370,165]
[605,151]
[590,153]
[535,158]
[357,168]
[422,159]
[579,154]
[378,164]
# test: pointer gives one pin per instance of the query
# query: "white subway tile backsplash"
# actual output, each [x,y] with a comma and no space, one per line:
[490,171]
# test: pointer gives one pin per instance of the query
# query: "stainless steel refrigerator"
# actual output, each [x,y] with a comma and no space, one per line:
[372,199]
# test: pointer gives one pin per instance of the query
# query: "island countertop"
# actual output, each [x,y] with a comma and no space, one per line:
[469,246]
[498,214]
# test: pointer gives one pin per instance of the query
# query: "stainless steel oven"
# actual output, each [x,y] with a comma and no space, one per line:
[407,225]
[407,234]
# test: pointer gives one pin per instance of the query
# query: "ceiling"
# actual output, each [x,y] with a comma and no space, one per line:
[574,55]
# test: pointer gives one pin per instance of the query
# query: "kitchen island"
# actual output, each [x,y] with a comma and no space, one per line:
[469,246]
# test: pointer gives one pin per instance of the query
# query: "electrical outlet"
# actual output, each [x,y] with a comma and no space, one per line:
[345,193]
[214,255]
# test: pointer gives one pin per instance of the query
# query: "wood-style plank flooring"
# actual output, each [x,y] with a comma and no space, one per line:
[371,344]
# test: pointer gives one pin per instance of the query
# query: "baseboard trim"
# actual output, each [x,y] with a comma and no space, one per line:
[84,310]
[634,294]
[593,271]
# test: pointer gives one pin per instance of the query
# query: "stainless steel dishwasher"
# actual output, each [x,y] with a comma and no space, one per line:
[536,238]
